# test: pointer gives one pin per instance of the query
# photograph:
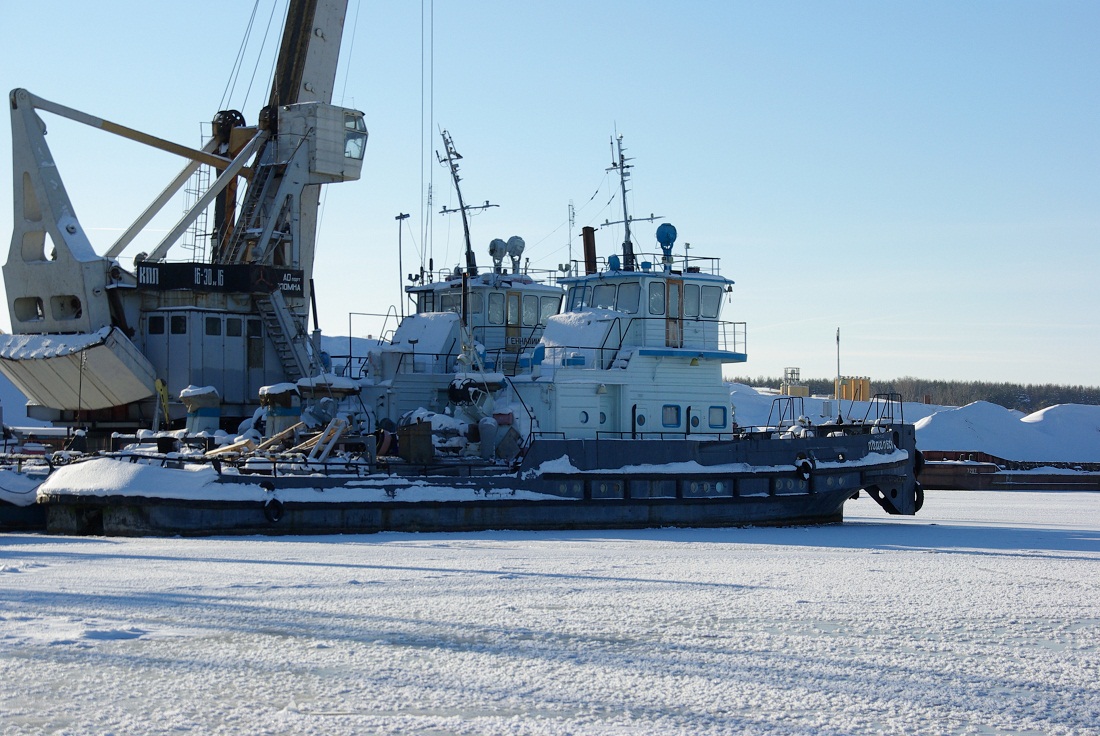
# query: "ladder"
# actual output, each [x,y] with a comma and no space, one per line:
[285,333]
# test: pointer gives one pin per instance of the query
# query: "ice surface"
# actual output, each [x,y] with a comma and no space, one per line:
[980,615]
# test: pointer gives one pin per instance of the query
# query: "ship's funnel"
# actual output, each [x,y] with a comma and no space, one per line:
[588,237]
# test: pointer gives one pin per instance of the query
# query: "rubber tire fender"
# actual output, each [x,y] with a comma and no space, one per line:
[273,510]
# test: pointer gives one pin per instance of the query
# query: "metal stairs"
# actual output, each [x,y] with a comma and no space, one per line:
[248,226]
[286,334]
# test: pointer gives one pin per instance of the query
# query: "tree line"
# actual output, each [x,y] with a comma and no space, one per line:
[1022,397]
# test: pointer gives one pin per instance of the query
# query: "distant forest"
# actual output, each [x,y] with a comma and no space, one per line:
[1026,398]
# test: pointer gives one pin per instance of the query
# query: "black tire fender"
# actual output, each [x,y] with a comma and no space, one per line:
[273,510]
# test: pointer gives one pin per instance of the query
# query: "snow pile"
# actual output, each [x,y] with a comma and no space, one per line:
[23,347]
[1065,433]
[18,488]
[431,334]
[106,477]
[579,329]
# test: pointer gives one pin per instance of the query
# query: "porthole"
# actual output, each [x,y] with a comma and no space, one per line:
[695,421]
[584,417]
[641,419]
[603,418]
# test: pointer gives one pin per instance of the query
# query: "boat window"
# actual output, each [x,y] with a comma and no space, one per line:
[233,326]
[178,324]
[530,310]
[425,302]
[156,324]
[717,417]
[550,306]
[450,303]
[577,298]
[603,296]
[214,326]
[628,297]
[670,415]
[691,300]
[656,297]
[710,301]
[496,308]
[512,315]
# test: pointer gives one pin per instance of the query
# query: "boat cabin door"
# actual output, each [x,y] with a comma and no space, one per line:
[674,317]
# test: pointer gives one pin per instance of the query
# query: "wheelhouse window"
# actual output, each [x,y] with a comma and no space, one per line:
[710,301]
[232,326]
[628,297]
[603,296]
[657,297]
[178,324]
[691,300]
[530,310]
[670,415]
[550,306]
[577,298]
[425,302]
[214,326]
[450,303]
[496,308]
[156,324]
[717,417]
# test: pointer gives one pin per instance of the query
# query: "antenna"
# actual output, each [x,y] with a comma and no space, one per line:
[451,161]
[619,163]
[572,222]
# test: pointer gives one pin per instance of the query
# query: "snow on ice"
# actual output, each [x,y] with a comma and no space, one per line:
[980,615]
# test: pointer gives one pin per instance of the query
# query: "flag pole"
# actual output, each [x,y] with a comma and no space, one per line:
[837,391]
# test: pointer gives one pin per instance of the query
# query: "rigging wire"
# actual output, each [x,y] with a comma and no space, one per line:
[274,57]
[351,50]
[234,73]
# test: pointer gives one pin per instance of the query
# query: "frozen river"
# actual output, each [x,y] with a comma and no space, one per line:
[981,615]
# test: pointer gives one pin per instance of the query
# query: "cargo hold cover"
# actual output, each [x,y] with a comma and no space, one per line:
[74,372]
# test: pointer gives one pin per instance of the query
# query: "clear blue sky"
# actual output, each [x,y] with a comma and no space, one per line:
[924,176]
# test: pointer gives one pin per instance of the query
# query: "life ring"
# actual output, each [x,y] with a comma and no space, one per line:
[918,497]
[918,464]
[273,510]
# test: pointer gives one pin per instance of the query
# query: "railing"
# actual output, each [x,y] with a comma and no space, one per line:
[628,332]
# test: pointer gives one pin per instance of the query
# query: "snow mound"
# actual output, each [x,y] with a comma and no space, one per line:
[106,477]
[1064,433]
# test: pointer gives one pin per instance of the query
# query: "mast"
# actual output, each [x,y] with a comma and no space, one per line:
[619,163]
[451,161]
